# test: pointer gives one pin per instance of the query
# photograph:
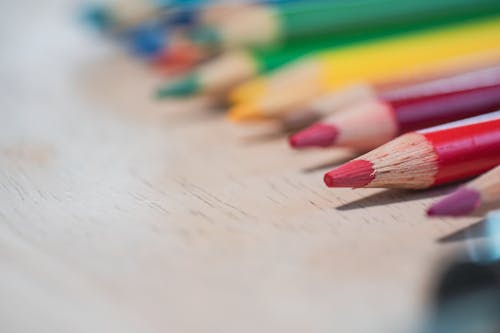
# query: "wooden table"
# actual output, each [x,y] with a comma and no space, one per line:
[122,214]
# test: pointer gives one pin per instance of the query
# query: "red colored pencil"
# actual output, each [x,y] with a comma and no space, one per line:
[462,74]
[372,123]
[482,190]
[421,159]
[178,59]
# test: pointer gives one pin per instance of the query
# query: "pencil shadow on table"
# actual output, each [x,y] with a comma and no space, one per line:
[392,196]
[262,138]
[473,231]
[190,115]
[272,132]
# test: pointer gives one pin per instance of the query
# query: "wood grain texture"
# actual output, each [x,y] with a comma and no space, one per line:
[121,214]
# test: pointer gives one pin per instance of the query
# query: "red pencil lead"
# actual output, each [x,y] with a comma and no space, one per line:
[317,135]
[461,202]
[179,57]
[356,173]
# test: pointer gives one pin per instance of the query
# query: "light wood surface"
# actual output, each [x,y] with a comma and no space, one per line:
[121,214]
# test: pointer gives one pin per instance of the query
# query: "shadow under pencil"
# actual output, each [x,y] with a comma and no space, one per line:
[391,196]
[485,209]
[262,138]
[473,231]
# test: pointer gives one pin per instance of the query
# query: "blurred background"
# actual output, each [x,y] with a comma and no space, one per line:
[146,183]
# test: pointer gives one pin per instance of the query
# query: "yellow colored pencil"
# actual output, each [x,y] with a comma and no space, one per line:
[371,61]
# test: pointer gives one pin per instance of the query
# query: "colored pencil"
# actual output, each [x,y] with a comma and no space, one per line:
[271,84]
[376,61]
[425,158]
[233,67]
[151,38]
[119,16]
[208,13]
[372,123]
[492,233]
[178,59]
[254,89]
[216,12]
[180,55]
[268,25]
[493,223]
[483,190]
[212,77]
[328,104]
[464,73]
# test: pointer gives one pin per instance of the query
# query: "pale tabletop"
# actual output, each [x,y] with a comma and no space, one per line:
[122,214]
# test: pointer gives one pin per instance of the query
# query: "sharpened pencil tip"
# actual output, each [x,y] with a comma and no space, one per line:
[459,203]
[317,135]
[100,17]
[248,91]
[245,112]
[356,173]
[184,87]
[178,56]
[205,36]
[148,40]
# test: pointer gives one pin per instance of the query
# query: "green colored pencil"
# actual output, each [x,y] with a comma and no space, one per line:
[269,25]
[234,67]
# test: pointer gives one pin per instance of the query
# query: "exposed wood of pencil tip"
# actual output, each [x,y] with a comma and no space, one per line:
[229,69]
[365,125]
[343,97]
[406,162]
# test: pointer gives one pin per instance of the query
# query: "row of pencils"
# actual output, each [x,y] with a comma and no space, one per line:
[412,86]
